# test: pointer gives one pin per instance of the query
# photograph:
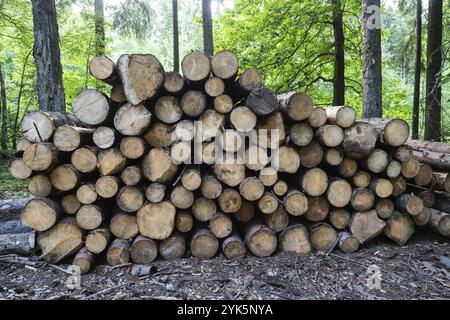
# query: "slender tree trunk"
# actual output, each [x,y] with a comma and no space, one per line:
[372,80]
[47,56]
[4,112]
[415,119]
[434,64]
[176,46]
[339,55]
[207,28]
[99,28]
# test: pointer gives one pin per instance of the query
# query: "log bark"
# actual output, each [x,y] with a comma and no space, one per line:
[438,147]
[441,181]
[439,161]
[18,243]
[262,101]
[440,222]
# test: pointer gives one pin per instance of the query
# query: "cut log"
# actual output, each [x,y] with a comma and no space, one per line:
[251,189]
[311,155]
[84,260]
[68,138]
[142,76]
[256,158]
[393,170]
[85,159]
[295,239]
[280,188]
[382,188]
[288,160]
[181,197]
[347,168]
[365,226]
[185,130]
[333,156]
[271,131]
[439,161]
[440,222]
[130,199]
[173,247]
[230,141]
[426,195]
[314,182]
[403,153]
[359,140]
[107,186]
[110,162]
[362,199]
[39,126]
[429,146]
[214,87]
[230,201]
[243,119]
[61,241]
[92,107]
[330,135]
[246,212]
[40,156]
[393,132]
[399,228]
[90,217]
[157,166]
[160,135]
[211,123]
[377,161]
[441,181]
[220,225]
[223,103]
[19,170]
[230,174]
[133,120]
[103,69]
[301,134]
[18,243]
[124,226]
[361,179]
[323,237]
[342,116]
[410,204]
[296,106]
[339,193]
[105,137]
[131,176]
[155,192]
[98,240]
[423,218]
[70,204]
[268,204]
[348,243]
[132,147]
[340,218]
[317,118]
[204,244]
[41,214]
[117,94]
[225,65]
[156,220]
[174,82]
[196,66]
[424,176]
[385,208]
[184,221]
[260,240]
[277,221]
[210,188]
[193,103]
[21,146]
[118,253]
[233,247]
[269,176]
[262,101]
[318,209]
[399,185]
[181,152]
[191,179]
[249,80]
[143,250]
[86,193]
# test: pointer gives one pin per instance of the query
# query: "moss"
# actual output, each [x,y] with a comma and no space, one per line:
[10,187]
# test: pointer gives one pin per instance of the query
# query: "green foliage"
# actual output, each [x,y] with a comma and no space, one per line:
[10,187]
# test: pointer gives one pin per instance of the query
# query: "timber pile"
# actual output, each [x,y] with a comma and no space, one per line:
[116,177]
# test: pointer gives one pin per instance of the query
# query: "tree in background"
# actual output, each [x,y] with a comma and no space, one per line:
[417,70]
[434,66]
[339,53]
[207,28]
[176,45]
[372,78]
[47,56]
[4,113]
[99,27]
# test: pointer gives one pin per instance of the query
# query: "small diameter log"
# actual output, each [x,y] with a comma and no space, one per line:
[243,119]
[156,220]
[39,126]
[193,103]
[174,82]
[233,247]
[214,87]
[117,94]
[210,188]
[90,217]
[105,137]
[204,244]
[84,260]
[86,193]
[70,204]
[110,162]
[132,120]
[249,80]
[168,109]
[40,156]
[269,176]
[68,138]
[440,222]
[295,239]
[246,212]
[251,189]
[157,166]
[385,208]
[428,146]
[41,214]
[366,225]
[361,179]
[223,103]
[410,204]
[172,248]
[21,146]
[362,199]
[296,106]
[211,123]
[359,140]
[143,250]
[342,116]
[118,253]
[339,193]
[131,176]
[65,177]
[311,155]
[103,69]
[107,186]
[260,240]
[277,221]
[184,221]
[347,168]
[61,241]
[225,65]
[318,209]
[295,203]
[377,161]
[423,218]
[256,158]
[196,66]
[288,160]
[124,226]
[317,118]
[231,174]
[348,243]
[393,170]
[333,156]
[160,135]
[280,188]
[399,185]
[19,170]
[410,168]
[426,195]
[382,188]
[23,243]
[230,201]
[220,225]
[323,237]
[85,159]
[40,186]
[142,76]
[130,199]
[441,181]
[92,107]
[268,204]
[155,192]
[271,131]
[132,147]
[393,132]
[262,101]
[399,228]
[191,179]
[182,198]
[314,182]
[98,240]
[340,218]
[403,153]
[330,135]
[424,176]
[301,134]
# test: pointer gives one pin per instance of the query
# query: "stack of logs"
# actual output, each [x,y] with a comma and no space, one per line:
[115,177]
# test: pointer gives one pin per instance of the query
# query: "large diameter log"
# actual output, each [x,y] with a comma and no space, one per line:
[155,192]
[61,241]
[174,82]
[318,209]
[330,135]
[184,221]
[168,109]
[231,174]
[85,159]
[314,182]
[107,186]
[393,132]
[143,250]
[296,106]
[196,66]
[192,104]
[12,207]
[440,222]
[311,155]
[340,218]
[225,65]
[359,140]
[142,76]
[92,107]
[295,203]
[362,199]
[268,203]
[439,161]
[262,101]
[124,226]
[158,166]
[323,237]
[12,225]
[260,240]
[348,243]
[40,156]
[110,162]
[342,116]
[295,238]
[204,245]
[103,69]
[84,260]
[173,247]
[399,228]
[90,217]
[130,199]
[339,193]
[410,204]
[132,120]
[68,138]
[220,225]
[365,226]
[441,181]
[156,220]
[429,146]
[18,243]
[97,240]
[230,201]
[105,137]
[19,170]
[277,221]
[39,126]
[233,247]
[118,253]
[131,176]
[41,214]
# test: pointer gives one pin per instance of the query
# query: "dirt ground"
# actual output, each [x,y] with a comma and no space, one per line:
[420,270]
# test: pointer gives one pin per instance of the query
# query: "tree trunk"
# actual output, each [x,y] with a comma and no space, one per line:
[416,102]
[339,55]
[99,28]
[207,28]
[434,64]
[176,50]
[372,79]
[4,113]
[47,55]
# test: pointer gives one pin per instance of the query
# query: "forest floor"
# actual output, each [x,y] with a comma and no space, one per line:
[419,270]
